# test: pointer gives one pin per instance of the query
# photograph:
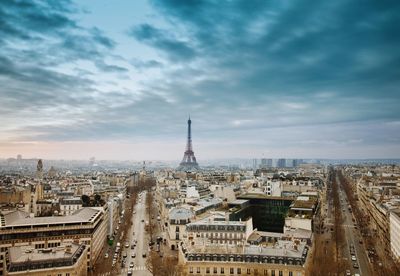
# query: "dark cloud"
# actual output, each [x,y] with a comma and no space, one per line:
[110,68]
[146,64]
[176,50]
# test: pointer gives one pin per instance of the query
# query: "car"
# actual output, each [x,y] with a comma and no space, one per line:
[117,228]
[129,272]
[106,255]
[133,255]
[127,244]
[355,265]
[134,212]
[353,258]
[142,220]
[151,243]
[360,241]
[348,273]
[144,255]
[131,265]
[133,246]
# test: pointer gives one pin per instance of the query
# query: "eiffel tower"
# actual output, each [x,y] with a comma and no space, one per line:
[189,162]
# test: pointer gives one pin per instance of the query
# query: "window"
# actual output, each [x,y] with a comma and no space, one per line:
[272,272]
[239,271]
[265,272]
[231,270]
[280,273]
[207,270]
[215,270]
[198,270]
[66,274]
[190,269]
[248,271]
[222,270]
[290,273]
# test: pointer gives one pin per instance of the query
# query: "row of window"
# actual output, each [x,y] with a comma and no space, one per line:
[237,228]
[240,271]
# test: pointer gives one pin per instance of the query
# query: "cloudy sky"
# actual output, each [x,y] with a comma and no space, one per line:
[118,79]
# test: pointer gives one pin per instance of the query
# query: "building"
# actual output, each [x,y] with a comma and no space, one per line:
[266,163]
[69,205]
[281,163]
[395,233]
[284,258]
[217,229]
[39,169]
[68,259]
[87,225]
[178,218]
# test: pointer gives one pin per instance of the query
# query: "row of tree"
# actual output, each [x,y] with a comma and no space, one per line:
[383,264]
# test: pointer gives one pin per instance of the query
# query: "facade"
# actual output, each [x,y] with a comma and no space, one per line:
[68,259]
[69,205]
[87,225]
[273,187]
[281,163]
[217,229]
[178,218]
[395,234]
[286,258]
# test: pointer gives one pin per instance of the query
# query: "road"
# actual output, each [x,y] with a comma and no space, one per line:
[353,236]
[138,233]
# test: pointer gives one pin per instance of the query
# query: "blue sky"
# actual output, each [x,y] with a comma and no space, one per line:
[118,79]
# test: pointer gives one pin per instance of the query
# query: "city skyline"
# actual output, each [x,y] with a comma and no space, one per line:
[278,79]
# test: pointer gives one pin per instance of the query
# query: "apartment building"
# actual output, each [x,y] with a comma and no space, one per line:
[284,258]
[68,259]
[217,229]
[86,226]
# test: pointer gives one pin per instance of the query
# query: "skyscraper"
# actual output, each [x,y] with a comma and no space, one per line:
[39,169]
[189,162]
[281,163]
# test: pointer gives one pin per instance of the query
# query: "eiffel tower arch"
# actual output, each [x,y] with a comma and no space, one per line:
[189,162]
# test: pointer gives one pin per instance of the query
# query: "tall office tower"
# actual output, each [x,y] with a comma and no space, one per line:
[281,163]
[39,169]
[189,162]
[266,163]
[255,163]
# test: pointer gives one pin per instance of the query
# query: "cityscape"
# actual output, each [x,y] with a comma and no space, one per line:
[180,137]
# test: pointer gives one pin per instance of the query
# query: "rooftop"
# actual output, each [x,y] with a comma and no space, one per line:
[28,258]
[280,249]
[20,218]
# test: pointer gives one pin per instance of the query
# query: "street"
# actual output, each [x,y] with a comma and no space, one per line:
[137,233]
[352,246]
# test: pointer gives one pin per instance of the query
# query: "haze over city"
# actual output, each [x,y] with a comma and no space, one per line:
[118,79]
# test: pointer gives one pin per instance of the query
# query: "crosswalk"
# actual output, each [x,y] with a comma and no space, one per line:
[136,268]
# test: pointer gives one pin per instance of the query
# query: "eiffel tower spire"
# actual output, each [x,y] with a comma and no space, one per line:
[189,160]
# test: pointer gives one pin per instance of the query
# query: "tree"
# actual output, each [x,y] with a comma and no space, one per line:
[166,266]
[97,199]
[85,200]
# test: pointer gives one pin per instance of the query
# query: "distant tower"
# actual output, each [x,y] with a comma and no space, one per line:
[39,169]
[189,162]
